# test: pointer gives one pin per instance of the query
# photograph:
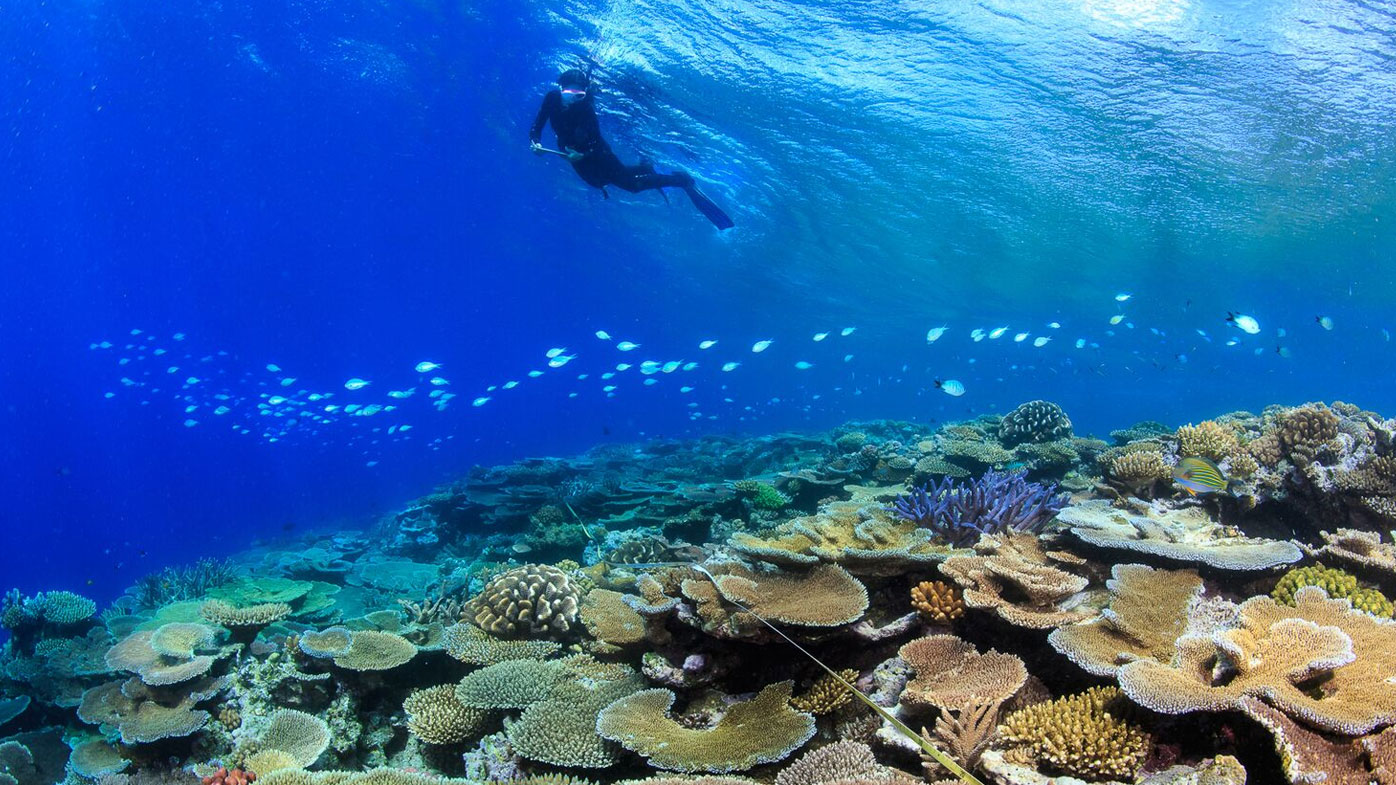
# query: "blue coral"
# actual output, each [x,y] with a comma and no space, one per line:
[996,502]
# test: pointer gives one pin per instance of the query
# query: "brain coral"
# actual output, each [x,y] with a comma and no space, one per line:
[302,736]
[371,650]
[762,730]
[1275,654]
[1034,421]
[536,599]
[436,716]
[1079,735]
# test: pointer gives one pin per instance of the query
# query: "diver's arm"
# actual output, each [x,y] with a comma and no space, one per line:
[535,133]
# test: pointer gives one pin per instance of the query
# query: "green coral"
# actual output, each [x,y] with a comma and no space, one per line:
[1338,584]
[763,496]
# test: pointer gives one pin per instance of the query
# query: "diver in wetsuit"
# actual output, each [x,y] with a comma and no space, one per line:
[572,114]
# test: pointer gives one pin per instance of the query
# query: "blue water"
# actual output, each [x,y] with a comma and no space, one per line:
[345,189]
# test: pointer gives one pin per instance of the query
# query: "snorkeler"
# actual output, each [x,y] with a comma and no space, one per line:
[572,113]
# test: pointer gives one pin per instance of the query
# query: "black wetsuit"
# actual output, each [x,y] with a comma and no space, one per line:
[577,128]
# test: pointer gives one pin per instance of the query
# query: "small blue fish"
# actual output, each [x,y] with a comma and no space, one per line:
[1199,475]
[951,387]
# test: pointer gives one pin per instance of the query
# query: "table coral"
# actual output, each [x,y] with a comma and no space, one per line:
[1079,735]
[1361,548]
[1014,576]
[952,674]
[608,618]
[137,653]
[225,614]
[1187,534]
[864,538]
[302,736]
[825,596]
[371,650]
[764,729]
[515,684]
[1148,611]
[474,646]
[1279,653]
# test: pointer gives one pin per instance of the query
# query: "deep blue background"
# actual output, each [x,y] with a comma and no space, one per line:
[344,189]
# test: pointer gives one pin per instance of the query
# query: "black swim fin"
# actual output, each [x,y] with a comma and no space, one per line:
[708,208]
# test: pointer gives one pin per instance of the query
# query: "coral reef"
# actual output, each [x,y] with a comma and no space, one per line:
[533,620]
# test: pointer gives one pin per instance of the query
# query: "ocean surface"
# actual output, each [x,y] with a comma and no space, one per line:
[194,193]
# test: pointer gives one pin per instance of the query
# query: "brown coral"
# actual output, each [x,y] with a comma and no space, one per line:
[952,674]
[1015,577]
[1266,450]
[826,596]
[1209,439]
[1139,471]
[436,716]
[1308,433]
[1279,654]
[533,600]
[1079,735]
[938,601]
[1148,611]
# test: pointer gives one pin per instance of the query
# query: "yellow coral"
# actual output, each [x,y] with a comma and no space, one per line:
[1079,735]
[938,601]
[1335,583]
[826,695]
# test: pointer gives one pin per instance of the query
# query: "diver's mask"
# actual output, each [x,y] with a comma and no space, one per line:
[571,95]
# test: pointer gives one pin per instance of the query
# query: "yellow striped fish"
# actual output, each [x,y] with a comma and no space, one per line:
[1199,475]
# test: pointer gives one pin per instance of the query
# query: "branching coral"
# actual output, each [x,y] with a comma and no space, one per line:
[825,696]
[1079,735]
[938,601]
[762,495]
[1139,472]
[641,723]
[1280,654]
[436,716]
[1208,439]
[996,502]
[1307,433]
[841,761]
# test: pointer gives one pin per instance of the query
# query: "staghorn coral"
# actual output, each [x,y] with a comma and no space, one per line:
[1335,583]
[996,502]
[1078,735]
[1148,611]
[372,650]
[1034,421]
[226,614]
[1187,534]
[964,733]
[1276,654]
[436,716]
[938,601]
[826,695]
[533,600]
[1014,576]
[641,723]
[952,674]
[1208,439]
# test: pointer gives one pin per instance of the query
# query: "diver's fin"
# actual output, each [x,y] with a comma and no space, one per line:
[708,208]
